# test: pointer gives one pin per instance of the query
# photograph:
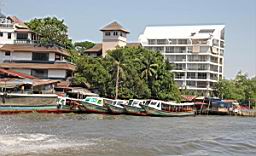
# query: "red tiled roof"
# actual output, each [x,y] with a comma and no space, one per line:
[16,74]
[18,22]
[32,48]
[65,66]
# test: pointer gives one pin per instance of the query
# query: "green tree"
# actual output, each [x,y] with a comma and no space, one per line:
[149,68]
[92,71]
[119,74]
[82,46]
[239,88]
[51,30]
[118,60]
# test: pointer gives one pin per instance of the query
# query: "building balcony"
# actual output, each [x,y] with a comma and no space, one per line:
[38,43]
[6,25]
[197,88]
[66,66]
[23,41]
[39,61]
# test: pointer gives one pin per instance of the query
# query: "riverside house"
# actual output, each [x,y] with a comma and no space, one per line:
[20,51]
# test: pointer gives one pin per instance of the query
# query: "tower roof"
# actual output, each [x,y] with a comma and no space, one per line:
[114,26]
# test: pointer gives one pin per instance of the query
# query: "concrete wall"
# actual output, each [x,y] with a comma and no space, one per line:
[111,46]
[57,74]
[24,56]
[4,39]
[51,56]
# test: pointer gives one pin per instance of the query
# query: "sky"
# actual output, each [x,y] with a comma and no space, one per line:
[85,17]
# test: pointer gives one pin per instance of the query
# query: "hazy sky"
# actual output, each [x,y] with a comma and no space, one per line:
[85,17]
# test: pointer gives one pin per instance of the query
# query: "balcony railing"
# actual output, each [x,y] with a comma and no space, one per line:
[6,25]
[24,41]
[38,43]
[199,77]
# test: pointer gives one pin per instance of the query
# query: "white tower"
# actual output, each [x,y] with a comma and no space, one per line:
[114,35]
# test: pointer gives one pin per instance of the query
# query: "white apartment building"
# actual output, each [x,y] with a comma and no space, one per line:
[21,51]
[196,52]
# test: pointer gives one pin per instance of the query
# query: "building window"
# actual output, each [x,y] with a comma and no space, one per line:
[40,73]
[22,36]
[179,66]
[9,35]
[161,41]
[1,34]
[151,41]
[179,75]
[7,53]
[57,57]
[202,76]
[40,57]
[191,83]
[107,33]
[182,41]
[115,33]
[191,75]
[169,50]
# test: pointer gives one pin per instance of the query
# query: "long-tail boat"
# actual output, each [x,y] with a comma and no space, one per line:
[96,104]
[26,103]
[169,109]
[116,107]
[134,107]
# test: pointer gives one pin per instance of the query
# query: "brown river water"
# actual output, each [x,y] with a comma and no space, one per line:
[121,135]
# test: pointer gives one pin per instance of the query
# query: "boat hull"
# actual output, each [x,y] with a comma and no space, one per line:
[115,110]
[213,112]
[92,108]
[28,99]
[134,110]
[13,109]
[154,112]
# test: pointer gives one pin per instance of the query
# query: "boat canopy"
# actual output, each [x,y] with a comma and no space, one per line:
[153,102]
[222,104]
[97,100]
[180,104]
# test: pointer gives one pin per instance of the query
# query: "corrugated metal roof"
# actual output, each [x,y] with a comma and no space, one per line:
[16,74]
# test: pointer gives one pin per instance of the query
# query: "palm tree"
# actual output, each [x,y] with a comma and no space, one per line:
[117,59]
[149,68]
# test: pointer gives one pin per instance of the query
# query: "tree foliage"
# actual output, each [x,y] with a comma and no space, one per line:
[241,87]
[51,30]
[129,73]
[82,46]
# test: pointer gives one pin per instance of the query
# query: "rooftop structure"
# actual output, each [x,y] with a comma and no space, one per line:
[114,35]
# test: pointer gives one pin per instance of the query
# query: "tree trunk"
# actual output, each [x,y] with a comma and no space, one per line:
[117,81]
